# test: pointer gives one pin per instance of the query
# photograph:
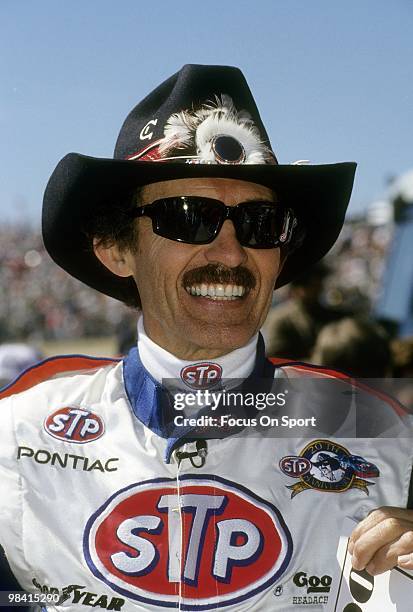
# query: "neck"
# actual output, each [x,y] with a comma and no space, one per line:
[190,351]
[162,363]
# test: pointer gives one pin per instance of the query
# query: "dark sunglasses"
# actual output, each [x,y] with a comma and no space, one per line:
[198,220]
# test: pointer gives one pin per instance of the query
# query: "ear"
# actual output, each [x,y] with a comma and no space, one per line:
[113,258]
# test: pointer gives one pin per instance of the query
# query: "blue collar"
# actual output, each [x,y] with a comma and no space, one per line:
[152,404]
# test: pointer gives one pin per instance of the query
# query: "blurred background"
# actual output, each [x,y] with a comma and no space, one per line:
[333,83]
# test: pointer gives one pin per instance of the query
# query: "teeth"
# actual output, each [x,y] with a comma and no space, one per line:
[217,292]
[222,298]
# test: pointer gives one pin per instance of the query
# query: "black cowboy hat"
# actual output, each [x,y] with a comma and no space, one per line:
[201,122]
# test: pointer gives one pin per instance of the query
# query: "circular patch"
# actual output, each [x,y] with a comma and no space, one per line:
[295,466]
[324,465]
[74,424]
[228,150]
[328,472]
[201,375]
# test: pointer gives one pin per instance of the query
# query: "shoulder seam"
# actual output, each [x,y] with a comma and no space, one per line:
[301,365]
[398,408]
[46,369]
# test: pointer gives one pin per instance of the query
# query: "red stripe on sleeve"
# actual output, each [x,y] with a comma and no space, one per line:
[50,367]
[307,369]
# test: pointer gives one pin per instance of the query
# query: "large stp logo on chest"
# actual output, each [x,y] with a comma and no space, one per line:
[210,545]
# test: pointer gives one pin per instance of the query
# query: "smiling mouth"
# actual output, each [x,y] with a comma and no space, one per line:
[217,291]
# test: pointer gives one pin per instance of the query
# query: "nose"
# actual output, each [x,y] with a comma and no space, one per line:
[225,248]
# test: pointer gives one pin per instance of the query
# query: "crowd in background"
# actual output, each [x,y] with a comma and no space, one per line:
[357,263]
[39,301]
[323,318]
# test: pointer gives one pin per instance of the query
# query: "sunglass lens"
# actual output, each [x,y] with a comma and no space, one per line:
[187,219]
[259,225]
[197,220]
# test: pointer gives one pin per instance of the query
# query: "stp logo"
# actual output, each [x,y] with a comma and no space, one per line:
[74,425]
[209,545]
[201,375]
[295,466]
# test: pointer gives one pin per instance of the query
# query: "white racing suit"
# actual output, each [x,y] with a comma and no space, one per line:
[98,506]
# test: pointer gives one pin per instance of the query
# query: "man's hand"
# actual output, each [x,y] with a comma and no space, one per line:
[383,540]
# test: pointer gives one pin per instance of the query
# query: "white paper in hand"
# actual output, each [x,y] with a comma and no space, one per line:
[355,591]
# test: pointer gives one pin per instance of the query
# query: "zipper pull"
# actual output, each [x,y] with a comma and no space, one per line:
[201,452]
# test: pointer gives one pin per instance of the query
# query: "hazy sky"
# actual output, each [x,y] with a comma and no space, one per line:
[333,80]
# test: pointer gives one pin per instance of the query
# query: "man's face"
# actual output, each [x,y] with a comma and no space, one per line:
[167,273]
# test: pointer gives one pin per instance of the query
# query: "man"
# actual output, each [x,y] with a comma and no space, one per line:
[356,346]
[107,505]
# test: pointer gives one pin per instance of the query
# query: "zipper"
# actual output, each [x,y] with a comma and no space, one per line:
[197,459]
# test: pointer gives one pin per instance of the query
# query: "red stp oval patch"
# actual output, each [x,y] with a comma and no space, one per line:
[201,375]
[74,424]
[221,545]
[295,466]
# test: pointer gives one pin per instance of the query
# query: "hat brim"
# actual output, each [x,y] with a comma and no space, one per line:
[318,193]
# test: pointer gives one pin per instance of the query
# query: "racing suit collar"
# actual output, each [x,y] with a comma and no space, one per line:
[152,404]
[162,364]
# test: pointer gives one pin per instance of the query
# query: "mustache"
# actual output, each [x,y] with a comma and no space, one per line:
[219,274]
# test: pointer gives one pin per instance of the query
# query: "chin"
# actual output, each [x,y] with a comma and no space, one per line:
[222,340]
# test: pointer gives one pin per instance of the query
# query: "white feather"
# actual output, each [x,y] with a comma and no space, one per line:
[255,151]
[220,107]
[197,128]
[178,132]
